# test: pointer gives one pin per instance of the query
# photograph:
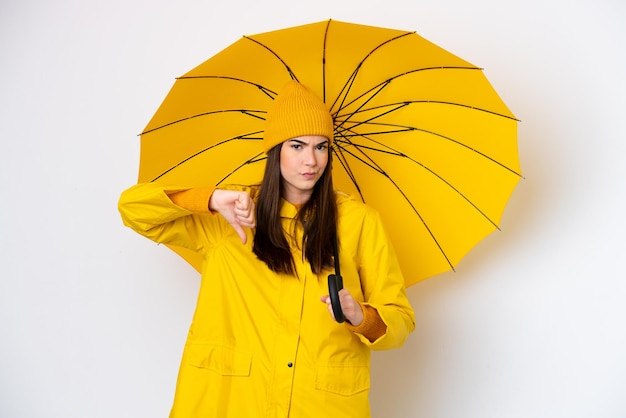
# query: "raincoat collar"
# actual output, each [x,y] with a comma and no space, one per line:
[288,210]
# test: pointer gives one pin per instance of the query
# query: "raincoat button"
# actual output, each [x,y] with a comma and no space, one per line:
[290,364]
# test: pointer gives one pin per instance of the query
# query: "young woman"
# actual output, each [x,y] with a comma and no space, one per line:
[263,341]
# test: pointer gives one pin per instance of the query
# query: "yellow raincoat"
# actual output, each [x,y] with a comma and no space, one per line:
[262,344]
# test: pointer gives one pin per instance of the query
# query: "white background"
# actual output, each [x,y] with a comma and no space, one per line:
[93,317]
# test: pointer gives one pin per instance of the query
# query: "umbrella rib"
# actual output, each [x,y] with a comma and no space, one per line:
[324,61]
[379,169]
[392,151]
[252,160]
[344,163]
[269,93]
[291,73]
[246,137]
[346,118]
[457,142]
[413,128]
[249,112]
[343,94]
[409,102]
[348,85]
[375,90]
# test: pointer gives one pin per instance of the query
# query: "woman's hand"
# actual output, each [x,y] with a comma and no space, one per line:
[236,207]
[352,310]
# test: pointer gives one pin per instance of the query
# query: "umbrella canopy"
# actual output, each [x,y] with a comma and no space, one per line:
[420,134]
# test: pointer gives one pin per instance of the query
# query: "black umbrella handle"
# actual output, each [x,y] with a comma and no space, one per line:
[335,284]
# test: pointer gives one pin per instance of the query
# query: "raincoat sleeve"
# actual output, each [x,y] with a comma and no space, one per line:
[383,285]
[147,209]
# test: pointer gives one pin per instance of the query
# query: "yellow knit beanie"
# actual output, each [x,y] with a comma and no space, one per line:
[296,111]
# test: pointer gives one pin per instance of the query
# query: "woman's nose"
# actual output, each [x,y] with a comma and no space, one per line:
[309,157]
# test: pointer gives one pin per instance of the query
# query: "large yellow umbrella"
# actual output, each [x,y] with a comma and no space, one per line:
[420,134]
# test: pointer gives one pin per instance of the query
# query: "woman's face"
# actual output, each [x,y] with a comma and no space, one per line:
[302,163]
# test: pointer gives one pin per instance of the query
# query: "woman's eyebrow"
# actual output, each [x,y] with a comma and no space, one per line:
[298,141]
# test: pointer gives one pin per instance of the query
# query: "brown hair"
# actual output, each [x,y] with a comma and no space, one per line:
[318,215]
